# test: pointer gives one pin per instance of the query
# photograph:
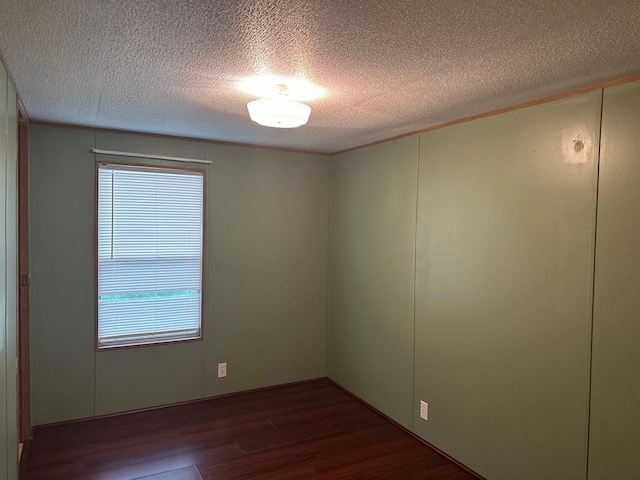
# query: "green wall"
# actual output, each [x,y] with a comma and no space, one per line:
[373,224]
[8,278]
[266,278]
[503,289]
[61,203]
[615,418]
[268,265]
[505,309]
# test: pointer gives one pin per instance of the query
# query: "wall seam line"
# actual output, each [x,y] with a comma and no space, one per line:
[593,284]
[5,320]
[207,256]
[328,315]
[415,274]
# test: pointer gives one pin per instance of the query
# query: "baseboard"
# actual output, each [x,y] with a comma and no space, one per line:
[175,404]
[24,455]
[405,429]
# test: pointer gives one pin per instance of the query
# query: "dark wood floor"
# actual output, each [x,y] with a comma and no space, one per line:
[310,431]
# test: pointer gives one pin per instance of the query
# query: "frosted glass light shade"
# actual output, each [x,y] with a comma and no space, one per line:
[278,113]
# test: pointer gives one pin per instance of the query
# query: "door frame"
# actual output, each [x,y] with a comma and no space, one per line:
[24,280]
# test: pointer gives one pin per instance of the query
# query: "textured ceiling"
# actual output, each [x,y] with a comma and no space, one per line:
[388,67]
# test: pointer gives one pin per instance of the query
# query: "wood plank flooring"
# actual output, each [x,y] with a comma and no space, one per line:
[310,431]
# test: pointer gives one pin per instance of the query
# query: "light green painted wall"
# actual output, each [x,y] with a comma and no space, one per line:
[61,204]
[504,259]
[266,278]
[503,289]
[373,222]
[615,419]
[134,378]
[267,269]
[8,279]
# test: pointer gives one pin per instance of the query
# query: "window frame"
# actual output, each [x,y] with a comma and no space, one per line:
[166,166]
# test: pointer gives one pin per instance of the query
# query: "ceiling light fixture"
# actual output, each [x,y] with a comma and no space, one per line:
[279,112]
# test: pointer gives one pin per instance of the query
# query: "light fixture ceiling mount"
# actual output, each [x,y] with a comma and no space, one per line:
[266,85]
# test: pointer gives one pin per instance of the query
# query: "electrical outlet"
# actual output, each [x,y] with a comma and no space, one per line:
[222,370]
[424,410]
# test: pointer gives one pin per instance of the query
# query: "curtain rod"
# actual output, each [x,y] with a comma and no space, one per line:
[146,155]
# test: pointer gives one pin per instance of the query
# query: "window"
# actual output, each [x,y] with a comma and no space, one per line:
[150,251]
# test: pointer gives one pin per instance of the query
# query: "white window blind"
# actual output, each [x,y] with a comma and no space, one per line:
[150,236]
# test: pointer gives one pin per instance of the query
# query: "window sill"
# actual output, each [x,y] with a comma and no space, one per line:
[151,343]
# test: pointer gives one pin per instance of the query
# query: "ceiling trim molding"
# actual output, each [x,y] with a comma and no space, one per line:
[551,98]
[22,112]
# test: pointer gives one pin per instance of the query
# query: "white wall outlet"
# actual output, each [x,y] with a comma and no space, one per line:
[424,410]
[222,370]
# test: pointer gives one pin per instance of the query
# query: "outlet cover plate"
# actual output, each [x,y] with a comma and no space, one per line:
[424,410]
[222,370]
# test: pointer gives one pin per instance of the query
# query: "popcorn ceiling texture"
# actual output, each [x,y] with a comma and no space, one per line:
[388,67]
